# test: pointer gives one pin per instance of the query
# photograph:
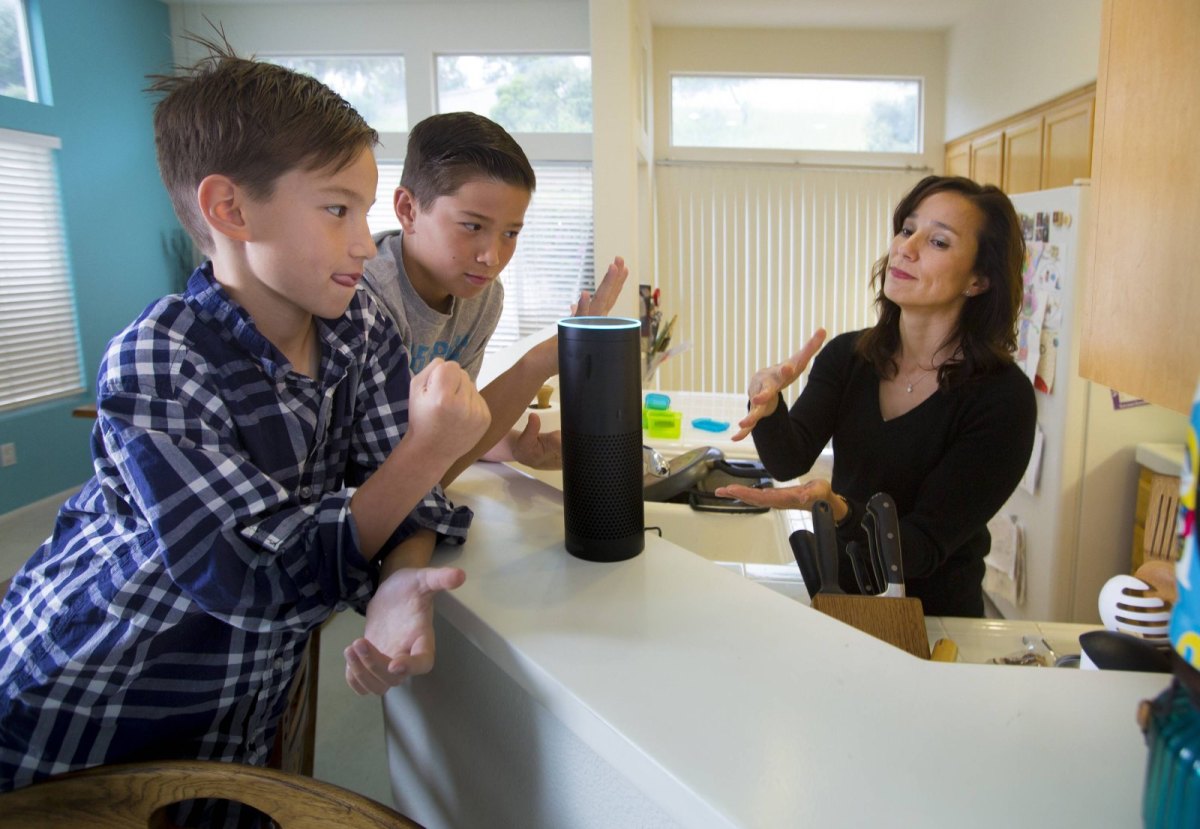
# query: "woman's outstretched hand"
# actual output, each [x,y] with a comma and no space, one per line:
[767,383]
[801,496]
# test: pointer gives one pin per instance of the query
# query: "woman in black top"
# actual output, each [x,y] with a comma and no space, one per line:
[927,405]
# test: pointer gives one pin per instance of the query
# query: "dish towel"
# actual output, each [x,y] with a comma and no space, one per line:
[1005,574]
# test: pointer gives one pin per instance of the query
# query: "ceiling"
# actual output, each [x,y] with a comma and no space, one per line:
[817,14]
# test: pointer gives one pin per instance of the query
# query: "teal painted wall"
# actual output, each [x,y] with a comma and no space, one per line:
[115,208]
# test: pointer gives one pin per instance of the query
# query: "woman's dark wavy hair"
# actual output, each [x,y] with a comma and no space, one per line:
[986,329]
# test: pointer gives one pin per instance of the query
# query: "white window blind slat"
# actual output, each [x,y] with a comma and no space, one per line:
[39,344]
[754,258]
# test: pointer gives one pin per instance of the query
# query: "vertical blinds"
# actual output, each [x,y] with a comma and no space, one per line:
[554,259]
[754,259]
[39,342]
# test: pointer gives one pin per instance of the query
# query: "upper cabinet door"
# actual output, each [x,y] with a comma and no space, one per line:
[1067,146]
[958,159]
[987,158]
[1141,310]
[1023,156]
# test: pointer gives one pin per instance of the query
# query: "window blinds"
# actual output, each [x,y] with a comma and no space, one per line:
[39,342]
[754,258]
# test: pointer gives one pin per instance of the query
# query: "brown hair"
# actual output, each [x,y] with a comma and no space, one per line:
[249,120]
[986,329]
[445,151]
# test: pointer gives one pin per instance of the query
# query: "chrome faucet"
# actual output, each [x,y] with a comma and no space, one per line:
[653,463]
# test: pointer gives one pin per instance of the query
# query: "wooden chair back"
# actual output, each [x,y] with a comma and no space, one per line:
[133,796]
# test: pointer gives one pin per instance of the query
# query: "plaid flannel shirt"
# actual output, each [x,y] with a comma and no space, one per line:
[167,613]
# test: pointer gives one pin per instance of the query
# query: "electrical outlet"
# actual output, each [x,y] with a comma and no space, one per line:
[8,454]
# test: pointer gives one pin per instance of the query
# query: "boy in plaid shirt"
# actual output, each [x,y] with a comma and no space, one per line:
[263,458]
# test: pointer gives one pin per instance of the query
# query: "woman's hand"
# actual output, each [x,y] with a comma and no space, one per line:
[767,383]
[398,640]
[802,496]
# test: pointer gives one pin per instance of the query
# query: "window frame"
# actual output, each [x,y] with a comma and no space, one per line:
[839,158]
[30,63]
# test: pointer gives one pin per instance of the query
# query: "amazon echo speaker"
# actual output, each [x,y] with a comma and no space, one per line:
[600,392]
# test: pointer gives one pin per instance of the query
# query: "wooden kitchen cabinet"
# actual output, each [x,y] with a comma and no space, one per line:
[958,159]
[1023,156]
[1049,145]
[1140,312]
[987,158]
[1067,143]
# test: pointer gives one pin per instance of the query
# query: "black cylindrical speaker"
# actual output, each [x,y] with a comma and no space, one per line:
[600,390]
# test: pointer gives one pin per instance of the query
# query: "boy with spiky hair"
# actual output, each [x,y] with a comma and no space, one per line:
[262,458]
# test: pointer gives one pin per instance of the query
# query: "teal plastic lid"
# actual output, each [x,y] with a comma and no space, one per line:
[658,402]
[709,425]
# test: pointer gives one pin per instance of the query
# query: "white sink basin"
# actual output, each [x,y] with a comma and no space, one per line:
[758,538]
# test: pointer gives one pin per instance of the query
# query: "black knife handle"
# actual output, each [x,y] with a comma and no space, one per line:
[882,509]
[862,569]
[804,549]
[825,530]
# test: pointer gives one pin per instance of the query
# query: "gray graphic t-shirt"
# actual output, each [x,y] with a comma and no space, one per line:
[460,335]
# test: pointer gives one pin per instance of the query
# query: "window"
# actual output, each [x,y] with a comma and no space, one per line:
[522,93]
[16,57]
[554,259]
[793,113]
[374,85]
[39,343]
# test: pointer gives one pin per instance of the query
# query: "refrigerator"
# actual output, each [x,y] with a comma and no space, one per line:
[1074,512]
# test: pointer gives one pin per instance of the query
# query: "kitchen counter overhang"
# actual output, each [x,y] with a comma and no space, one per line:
[665,690]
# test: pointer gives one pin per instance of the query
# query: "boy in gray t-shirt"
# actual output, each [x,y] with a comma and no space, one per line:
[461,204]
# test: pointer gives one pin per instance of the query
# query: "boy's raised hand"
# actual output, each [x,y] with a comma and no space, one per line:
[398,639]
[598,304]
[766,383]
[446,414]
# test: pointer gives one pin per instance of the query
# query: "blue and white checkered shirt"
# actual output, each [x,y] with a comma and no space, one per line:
[166,615]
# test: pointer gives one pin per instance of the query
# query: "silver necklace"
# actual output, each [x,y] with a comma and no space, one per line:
[913,383]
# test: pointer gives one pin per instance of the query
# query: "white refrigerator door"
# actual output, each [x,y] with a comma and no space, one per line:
[1078,526]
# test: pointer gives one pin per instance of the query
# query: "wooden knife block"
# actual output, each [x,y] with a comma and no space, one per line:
[899,622]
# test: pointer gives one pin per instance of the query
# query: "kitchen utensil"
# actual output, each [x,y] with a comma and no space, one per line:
[804,549]
[1129,605]
[1115,651]
[825,530]
[883,534]
[864,572]
[897,621]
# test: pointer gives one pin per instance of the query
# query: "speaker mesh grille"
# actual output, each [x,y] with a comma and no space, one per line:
[602,485]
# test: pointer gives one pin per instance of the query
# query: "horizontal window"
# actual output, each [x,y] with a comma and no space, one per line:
[796,113]
[374,85]
[16,58]
[522,93]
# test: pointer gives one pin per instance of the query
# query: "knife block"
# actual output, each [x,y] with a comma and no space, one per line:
[899,622]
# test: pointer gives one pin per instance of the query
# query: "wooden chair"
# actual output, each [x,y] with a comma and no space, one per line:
[134,795]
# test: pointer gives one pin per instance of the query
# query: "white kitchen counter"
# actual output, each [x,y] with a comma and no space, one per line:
[667,691]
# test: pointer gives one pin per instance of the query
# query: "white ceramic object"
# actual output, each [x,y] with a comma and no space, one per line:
[1127,606]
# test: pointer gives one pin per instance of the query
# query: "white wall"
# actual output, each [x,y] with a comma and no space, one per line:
[802,51]
[1016,54]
